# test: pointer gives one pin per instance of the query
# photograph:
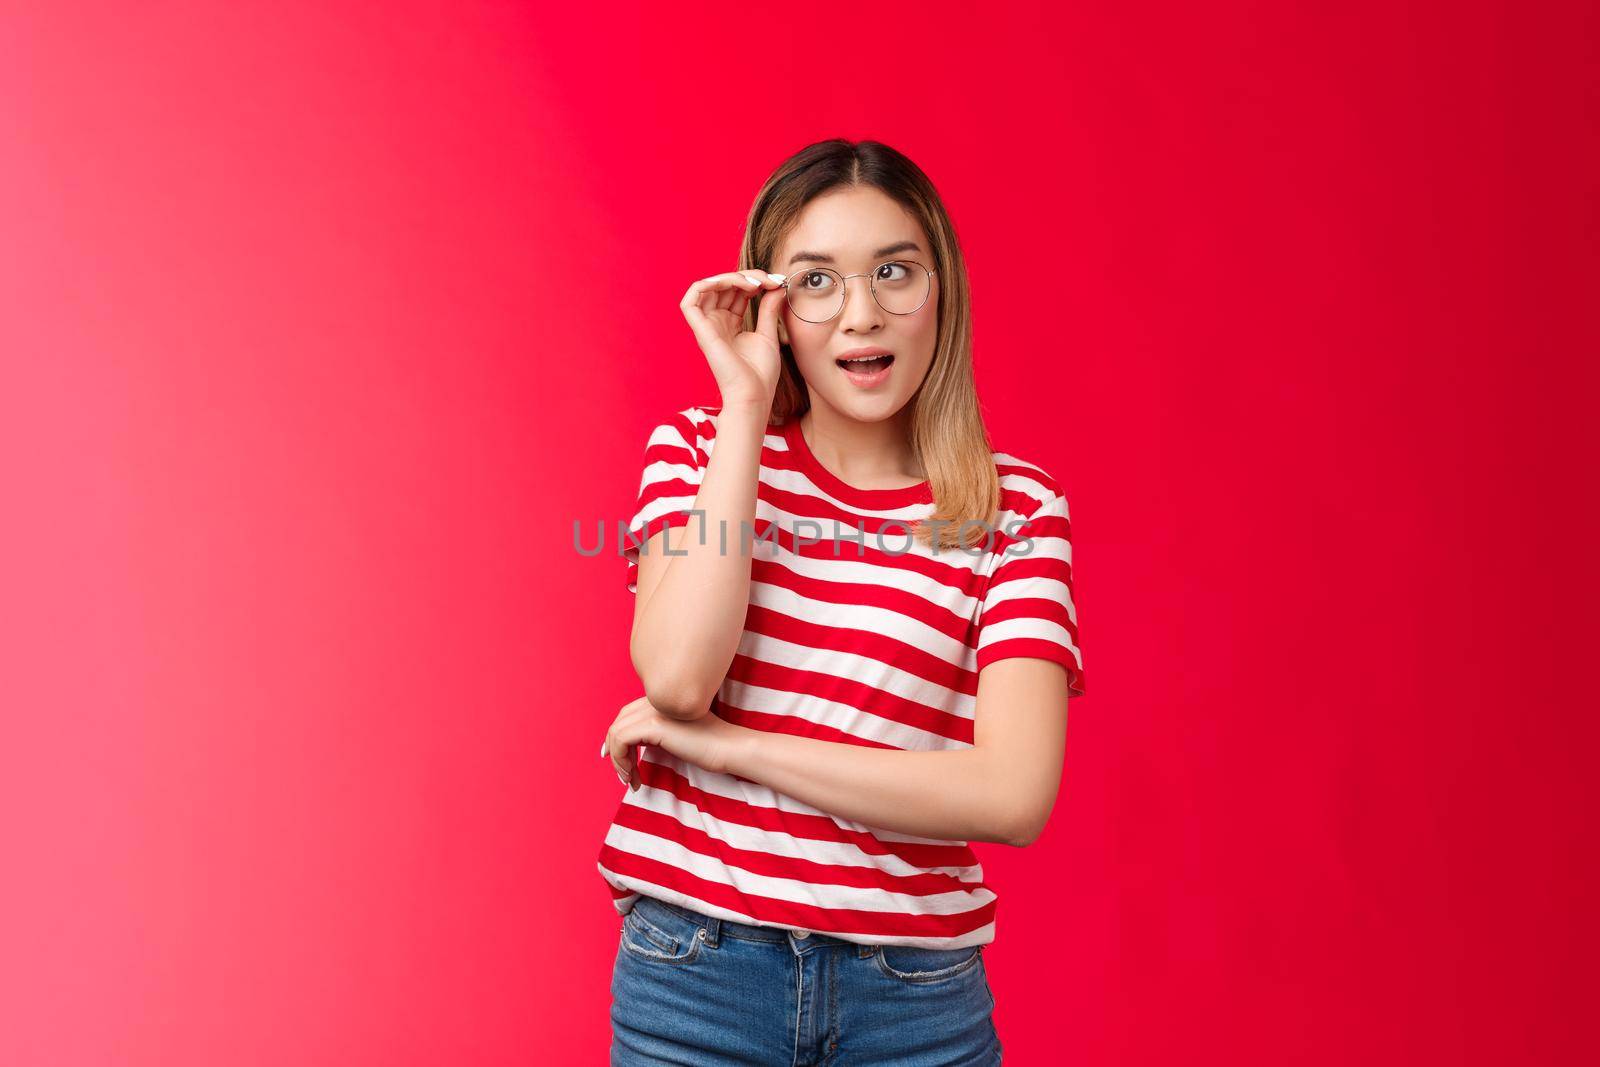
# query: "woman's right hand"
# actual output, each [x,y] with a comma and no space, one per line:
[746,363]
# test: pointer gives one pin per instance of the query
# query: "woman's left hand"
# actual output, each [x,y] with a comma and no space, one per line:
[708,741]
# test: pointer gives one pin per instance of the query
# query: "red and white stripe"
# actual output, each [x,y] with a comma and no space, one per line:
[881,649]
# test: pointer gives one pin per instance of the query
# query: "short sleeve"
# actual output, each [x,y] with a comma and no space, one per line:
[668,486]
[1028,609]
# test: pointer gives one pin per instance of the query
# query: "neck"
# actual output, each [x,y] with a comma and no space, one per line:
[866,454]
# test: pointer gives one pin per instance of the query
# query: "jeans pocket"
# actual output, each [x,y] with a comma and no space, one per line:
[918,965]
[662,936]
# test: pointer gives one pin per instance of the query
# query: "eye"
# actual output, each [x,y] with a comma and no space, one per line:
[822,276]
[886,272]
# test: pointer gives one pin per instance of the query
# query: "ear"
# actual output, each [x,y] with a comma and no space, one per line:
[783,330]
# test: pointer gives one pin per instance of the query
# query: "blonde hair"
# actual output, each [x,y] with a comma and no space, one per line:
[947,429]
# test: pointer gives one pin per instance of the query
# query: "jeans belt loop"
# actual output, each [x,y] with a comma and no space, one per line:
[713,930]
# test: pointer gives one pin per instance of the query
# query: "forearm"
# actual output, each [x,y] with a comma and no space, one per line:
[689,628]
[951,795]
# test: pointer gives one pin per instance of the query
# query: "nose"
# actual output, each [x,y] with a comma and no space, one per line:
[861,312]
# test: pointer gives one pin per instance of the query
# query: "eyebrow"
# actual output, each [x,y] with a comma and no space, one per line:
[886,250]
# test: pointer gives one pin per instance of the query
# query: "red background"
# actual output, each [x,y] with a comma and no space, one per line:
[321,324]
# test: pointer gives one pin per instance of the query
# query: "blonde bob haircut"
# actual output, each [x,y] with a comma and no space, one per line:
[948,434]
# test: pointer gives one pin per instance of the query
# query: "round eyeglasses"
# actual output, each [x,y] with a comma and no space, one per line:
[900,286]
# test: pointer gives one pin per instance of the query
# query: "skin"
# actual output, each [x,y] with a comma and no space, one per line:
[1003,788]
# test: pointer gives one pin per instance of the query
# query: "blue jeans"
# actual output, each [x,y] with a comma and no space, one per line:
[694,989]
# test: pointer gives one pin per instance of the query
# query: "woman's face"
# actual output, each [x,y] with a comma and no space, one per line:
[854,230]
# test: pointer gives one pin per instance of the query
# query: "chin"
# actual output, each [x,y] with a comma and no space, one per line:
[864,401]
[864,408]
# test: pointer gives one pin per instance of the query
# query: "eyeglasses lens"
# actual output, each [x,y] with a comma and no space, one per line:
[818,294]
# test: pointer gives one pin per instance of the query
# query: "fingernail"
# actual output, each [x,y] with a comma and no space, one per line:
[602,748]
[776,277]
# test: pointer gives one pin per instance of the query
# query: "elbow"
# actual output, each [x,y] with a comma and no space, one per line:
[672,697]
[677,701]
[687,710]
[1023,840]
[1025,812]
[1022,832]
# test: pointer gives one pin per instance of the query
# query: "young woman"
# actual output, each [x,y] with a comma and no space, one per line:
[855,630]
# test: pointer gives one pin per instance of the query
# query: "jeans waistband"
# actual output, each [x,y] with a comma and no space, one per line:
[715,927]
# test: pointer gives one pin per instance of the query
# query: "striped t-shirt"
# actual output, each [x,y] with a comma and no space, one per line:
[850,637]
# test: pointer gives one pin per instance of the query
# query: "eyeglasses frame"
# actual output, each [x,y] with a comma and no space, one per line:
[872,287]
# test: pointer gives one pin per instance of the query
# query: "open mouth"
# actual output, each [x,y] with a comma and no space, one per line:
[868,365]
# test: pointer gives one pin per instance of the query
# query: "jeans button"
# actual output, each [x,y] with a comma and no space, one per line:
[802,933]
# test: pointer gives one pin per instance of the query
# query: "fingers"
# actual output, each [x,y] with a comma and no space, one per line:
[717,285]
[731,292]
[723,291]
[626,768]
[765,286]
[767,313]
[625,762]
[740,288]
[616,765]
[741,302]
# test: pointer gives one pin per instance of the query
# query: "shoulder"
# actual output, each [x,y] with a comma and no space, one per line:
[703,417]
[1027,489]
[692,428]
[701,421]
